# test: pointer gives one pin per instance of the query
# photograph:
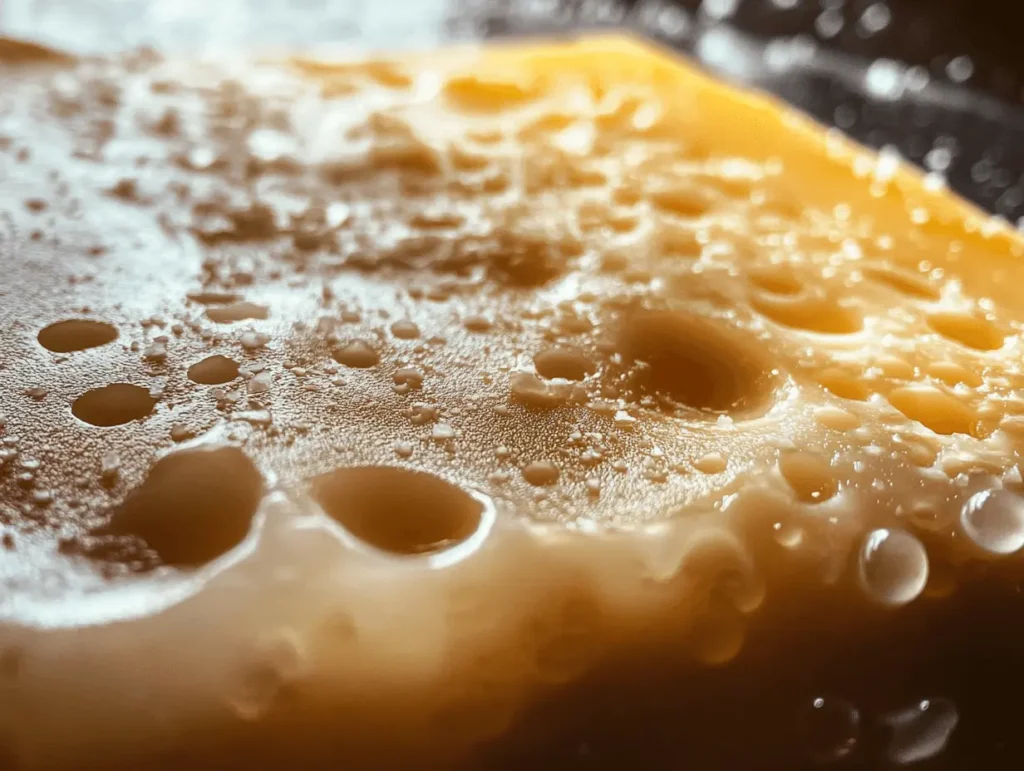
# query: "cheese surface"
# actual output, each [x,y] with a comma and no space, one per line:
[411,391]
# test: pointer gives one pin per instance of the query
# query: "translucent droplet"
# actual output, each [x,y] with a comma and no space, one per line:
[994,520]
[921,731]
[832,729]
[893,566]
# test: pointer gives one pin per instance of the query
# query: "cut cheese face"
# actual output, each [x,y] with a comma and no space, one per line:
[413,390]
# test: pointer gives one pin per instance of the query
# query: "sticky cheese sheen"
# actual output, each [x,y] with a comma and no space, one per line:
[663,348]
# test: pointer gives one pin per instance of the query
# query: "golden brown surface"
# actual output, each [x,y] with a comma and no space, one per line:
[412,390]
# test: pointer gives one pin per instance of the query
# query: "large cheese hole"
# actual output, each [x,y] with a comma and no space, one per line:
[903,282]
[776,280]
[810,477]
[966,329]
[398,510]
[76,335]
[113,405]
[194,505]
[696,362]
[810,311]
[935,408]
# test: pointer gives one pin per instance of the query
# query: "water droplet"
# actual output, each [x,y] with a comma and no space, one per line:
[921,731]
[357,354]
[534,392]
[477,323]
[832,728]
[810,477]
[260,384]
[255,417]
[110,468]
[994,520]
[788,536]
[238,311]
[156,351]
[541,473]
[213,370]
[893,566]
[712,463]
[252,341]
[442,432]
[403,449]
[563,363]
[405,330]
[409,377]
[180,432]
[624,420]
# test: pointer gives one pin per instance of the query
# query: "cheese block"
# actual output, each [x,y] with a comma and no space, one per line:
[355,413]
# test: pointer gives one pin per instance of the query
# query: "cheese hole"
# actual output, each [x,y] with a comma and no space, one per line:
[967,329]
[113,405]
[76,335]
[811,478]
[398,510]
[696,362]
[194,505]
[843,384]
[903,282]
[934,408]
[810,312]
[776,280]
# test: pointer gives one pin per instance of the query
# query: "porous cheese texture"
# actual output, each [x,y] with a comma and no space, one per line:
[365,404]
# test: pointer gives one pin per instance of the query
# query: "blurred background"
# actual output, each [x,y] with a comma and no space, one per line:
[941,81]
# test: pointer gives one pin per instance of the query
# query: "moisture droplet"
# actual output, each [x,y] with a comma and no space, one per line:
[442,432]
[252,341]
[110,468]
[156,351]
[712,463]
[893,566]
[239,311]
[405,330]
[410,377]
[477,323]
[357,354]
[213,370]
[541,473]
[921,731]
[563,363]
[994,520]
[832,729]
[534,392]
[260,383]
